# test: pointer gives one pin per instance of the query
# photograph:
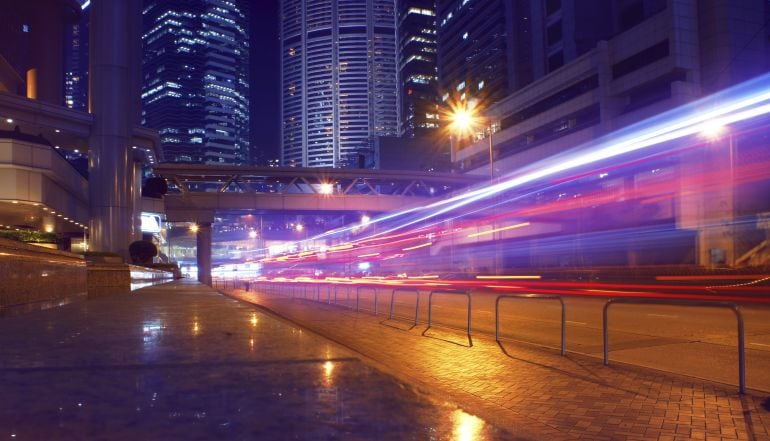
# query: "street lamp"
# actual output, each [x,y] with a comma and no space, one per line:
[464,120]
[326,188]
[715,131]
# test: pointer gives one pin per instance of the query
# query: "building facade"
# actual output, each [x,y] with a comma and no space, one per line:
[338,79]
[418,71]
[661,56]
[195,79]
[490,48]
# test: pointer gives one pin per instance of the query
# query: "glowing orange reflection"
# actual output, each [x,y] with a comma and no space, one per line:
[467,427]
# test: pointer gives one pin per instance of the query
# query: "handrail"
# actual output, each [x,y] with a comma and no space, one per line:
[358,296]
[416,305]
[430,307]
[536,297]
[684,302]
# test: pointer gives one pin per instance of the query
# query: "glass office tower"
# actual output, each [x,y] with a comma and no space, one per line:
[195,88]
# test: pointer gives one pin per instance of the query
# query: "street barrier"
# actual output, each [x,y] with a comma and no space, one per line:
[681,302]
[358,296]
[532,297]
[416,292]
[430,308]
[347,290]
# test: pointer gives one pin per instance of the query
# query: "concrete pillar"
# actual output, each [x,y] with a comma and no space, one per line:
[203,255]
[113,59]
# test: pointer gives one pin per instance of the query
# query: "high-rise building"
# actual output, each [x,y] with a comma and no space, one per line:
[490,48]
[195,88]
[418,74]
[339,78]
[76,63]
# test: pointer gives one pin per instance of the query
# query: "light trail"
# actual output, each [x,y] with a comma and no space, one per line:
[727,107]
[592,198]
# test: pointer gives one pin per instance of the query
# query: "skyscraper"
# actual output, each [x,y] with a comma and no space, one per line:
[418,74]
[195,88]
[76,63]
[490,48]
[339,78]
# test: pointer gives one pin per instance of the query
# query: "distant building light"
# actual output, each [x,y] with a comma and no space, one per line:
[25,28]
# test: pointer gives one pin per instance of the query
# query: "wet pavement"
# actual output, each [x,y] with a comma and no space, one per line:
[180,361]
[534,392]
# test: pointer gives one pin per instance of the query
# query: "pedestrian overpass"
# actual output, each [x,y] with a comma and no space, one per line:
[197,192]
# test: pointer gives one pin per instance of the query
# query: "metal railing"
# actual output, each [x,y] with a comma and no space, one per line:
[347,290]
[416,303]
[358,296]
[682,302]
[533,297]
[442,292]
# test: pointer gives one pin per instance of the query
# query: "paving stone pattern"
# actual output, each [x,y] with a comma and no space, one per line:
[182,362]
[532,391]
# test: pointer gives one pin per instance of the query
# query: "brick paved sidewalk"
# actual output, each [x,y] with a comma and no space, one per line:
[182,362]
[535,391]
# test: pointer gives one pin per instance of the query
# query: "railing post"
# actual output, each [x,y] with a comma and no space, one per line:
[430,310]
[605,332]
[741,351]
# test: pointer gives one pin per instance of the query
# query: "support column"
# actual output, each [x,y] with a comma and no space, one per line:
[203,254]
[113,60]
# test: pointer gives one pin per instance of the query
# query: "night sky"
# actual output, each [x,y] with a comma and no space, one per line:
[265,80]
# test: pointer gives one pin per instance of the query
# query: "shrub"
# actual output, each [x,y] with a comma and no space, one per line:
[142,252]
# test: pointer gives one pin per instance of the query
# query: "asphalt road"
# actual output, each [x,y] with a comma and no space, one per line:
[694,341]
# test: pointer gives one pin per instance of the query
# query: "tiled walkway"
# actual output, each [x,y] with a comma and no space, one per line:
[532,391]
[182,362]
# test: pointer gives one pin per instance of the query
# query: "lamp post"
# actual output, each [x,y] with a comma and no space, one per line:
[717,131]
[464,119]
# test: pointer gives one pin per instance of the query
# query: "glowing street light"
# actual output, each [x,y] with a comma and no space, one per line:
[713,130]
[253,234]
[365,219]
[194,228]
[326,188]
[464,120]
[300,227]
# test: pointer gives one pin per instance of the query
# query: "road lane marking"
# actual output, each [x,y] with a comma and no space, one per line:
[576,323]
[608,290]
[663,315]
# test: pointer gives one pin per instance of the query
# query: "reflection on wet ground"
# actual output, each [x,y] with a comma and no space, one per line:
[181,362]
